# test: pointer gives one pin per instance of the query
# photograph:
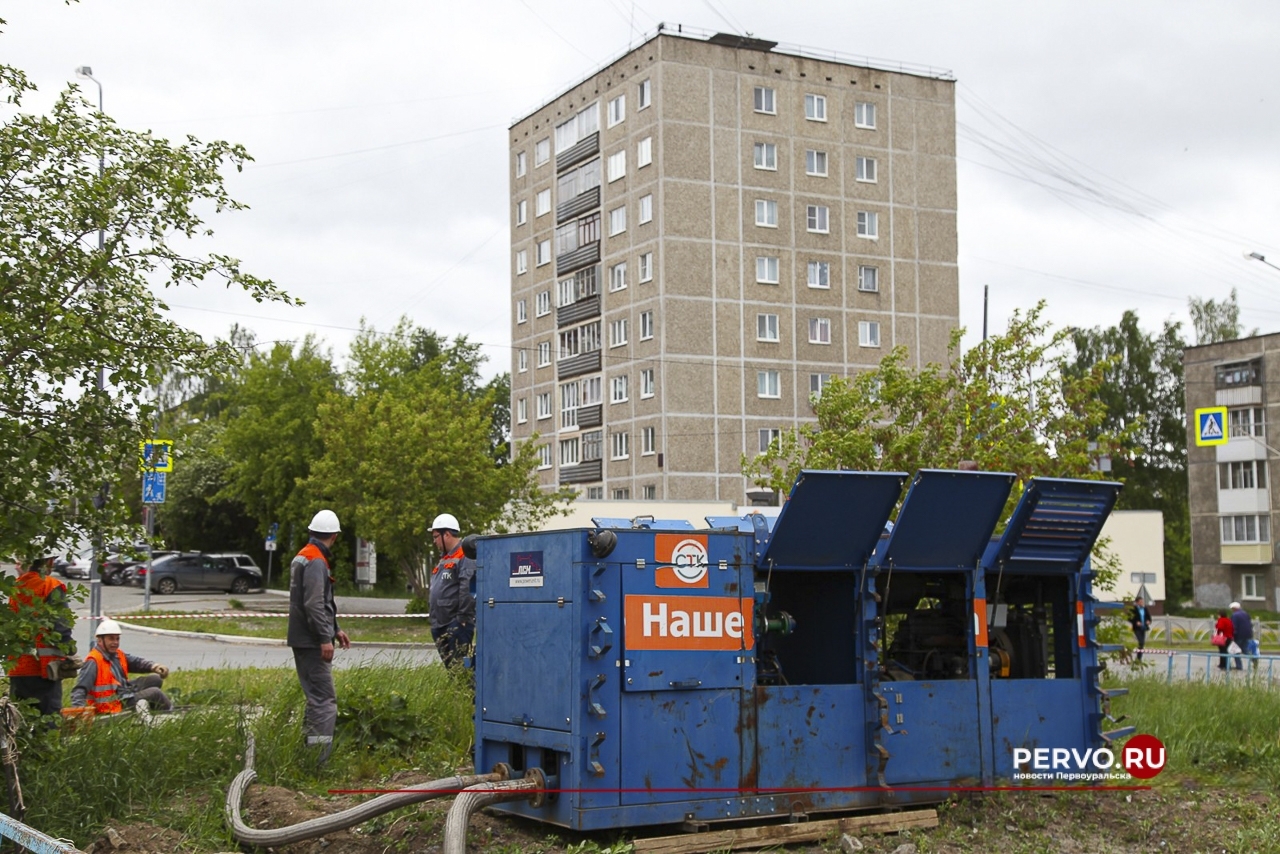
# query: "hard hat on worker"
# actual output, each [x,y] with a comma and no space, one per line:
[107,627]
[325,522]
[446,522]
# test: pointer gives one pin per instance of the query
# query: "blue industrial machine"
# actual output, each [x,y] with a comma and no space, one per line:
[653,674]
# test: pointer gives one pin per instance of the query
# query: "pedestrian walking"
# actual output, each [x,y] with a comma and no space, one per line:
[1140,622]
[452,606]
[313,630]
[1222,633]
[1242,626]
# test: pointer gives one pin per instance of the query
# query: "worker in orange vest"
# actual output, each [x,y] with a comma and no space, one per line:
[37,674]
[104,679]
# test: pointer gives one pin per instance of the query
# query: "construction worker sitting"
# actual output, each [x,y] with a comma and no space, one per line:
[38,674]
[104,679]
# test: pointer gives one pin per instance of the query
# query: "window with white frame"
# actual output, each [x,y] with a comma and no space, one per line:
[520,164]
[1249,421]
[570,450]
[646,208]
[617,110]
[541,151]
[768,384]
[644,94]
[544,405]
[522,212]
[819,274]
[569,404]
[566,292]
[815,163]
[522,410]
[579,339]
[767,327]
[867,169]
[768,435]
[543,249]
[644,152]
[591,390]
[617,166]
[646,267]
[864,115]
[815,108]
[522,361]
[1142,578]
[619,446]
[1246,529]
[1251,586]
[767,213]
[817,382]
[618,332]
[617,221]
[522,262]
[764,100]
[544,354]
[618,390]
[646,325]
[647,383]
[648,492]
[767,269]
[868,333]
[577,181]
[595,493]
[1247,474]
[868,224]
[766,154]
[621,494]
[542,202]
[544,456]
[522,311]
[648,441]
[817,218]
[577,127]
[542,303]
[819,330]
[592,445]
[618,276]
[868,278]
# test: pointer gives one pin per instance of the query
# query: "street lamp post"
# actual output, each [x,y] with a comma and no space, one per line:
[1258,256]
[95,564]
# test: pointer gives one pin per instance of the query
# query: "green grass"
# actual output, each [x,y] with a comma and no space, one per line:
[371,629]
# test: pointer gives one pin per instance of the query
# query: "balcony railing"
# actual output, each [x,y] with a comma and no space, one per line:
[590,416]
[578,205]
[584,472]
[580,257]
[584,309]
[583,363]
[580,151]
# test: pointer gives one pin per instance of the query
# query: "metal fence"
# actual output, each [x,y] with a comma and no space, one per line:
[31,839]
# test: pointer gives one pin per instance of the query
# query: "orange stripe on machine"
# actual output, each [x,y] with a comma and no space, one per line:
[688,622]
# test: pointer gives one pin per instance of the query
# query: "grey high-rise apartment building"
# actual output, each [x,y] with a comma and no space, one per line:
[703,233]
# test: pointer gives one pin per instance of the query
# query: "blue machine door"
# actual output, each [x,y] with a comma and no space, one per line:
[935,737]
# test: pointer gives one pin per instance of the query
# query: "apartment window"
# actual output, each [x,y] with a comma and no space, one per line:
[592,445]
[647,384]
[544,456]
[646,325]
[591,391]
[815,108]
[543,252]
[618,276]
[818,218]
[1250,421]
[868,333]
[1238,374]
[544,405]
[766,156]
[769,435]
[1246,529]
[522,361]
[817,382]
[618,332]
[646,267]
[617,110]
[648,441]
[619,446]
[567,292]
[617,221]
[864,115]
[542,303]
[767,327]
[541,151]
[575,182]
[867,169]
[815,163]
[522,311]
[569,452]
[644,152]
[566,238]
[768,384]
[569,405]
[595,493]
[522,410]
[1251,586]
[1142,578]
[644,94]
[617,167]
[581,126]
[622,494]
[868,278]
[819,274]
[542,202]
[544,354]
[522,212]
[1249,474]
[868,224]
[764,100]
[767,269]
[520,164]
[819,330]
[646,208]
[767,213]
[618,389]
[649,492]
[522,262]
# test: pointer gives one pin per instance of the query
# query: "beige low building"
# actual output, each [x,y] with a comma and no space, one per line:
[704,233]
[1136,540]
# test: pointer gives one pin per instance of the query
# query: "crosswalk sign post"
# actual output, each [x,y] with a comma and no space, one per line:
[153,487]
[1211,426]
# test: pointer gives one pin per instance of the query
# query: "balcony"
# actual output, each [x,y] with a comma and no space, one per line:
[1245,553]
[590,416]
[583,363]
[578,205]
[581,257]
[580,151]
[584,472]
[584,309]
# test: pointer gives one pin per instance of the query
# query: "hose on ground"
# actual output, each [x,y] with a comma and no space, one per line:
[478,796]
[340,820]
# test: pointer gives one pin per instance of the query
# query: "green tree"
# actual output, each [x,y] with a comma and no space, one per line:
[197,515]
[1214,320]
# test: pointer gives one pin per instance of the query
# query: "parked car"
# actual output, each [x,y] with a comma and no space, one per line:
[118,568]
[200,571]
[72,566]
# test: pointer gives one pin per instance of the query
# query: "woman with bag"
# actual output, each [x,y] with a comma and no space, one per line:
[1223,633]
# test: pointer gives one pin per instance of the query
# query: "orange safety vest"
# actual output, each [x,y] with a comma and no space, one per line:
[33,587]
[312,552]
[105,695]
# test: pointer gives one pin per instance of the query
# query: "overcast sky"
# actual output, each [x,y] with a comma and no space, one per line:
[1112,155]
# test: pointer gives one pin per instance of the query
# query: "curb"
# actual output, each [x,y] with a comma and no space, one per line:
[252,641]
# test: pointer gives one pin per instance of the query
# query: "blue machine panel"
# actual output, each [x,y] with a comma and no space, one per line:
[1057,521]
[685,743]
[1044,713]
[937,738]
[810,737]
[833,519]
[947,519]
[521,691]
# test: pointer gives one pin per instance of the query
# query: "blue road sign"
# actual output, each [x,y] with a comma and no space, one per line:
[153,487]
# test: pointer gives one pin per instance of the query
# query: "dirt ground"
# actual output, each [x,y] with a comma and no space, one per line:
[1176,817]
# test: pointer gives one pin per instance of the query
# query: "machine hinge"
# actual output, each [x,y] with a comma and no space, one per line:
[560,602]
[639,563]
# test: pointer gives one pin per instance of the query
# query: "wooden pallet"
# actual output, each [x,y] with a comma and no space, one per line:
[763,836]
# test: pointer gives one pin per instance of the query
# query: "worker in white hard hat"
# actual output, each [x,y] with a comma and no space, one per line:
[37,674]
[452,606]
[104,679]
[313,631]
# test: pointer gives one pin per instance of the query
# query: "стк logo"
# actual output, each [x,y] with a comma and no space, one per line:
[682,560]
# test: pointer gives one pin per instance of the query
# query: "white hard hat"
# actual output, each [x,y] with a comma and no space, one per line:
[446,522]
[107,627]
[325,522]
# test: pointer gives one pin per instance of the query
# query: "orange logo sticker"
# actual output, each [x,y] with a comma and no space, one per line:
[682,560]
[688,622]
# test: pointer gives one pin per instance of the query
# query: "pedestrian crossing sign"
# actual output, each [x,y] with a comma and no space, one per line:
[1211,426]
